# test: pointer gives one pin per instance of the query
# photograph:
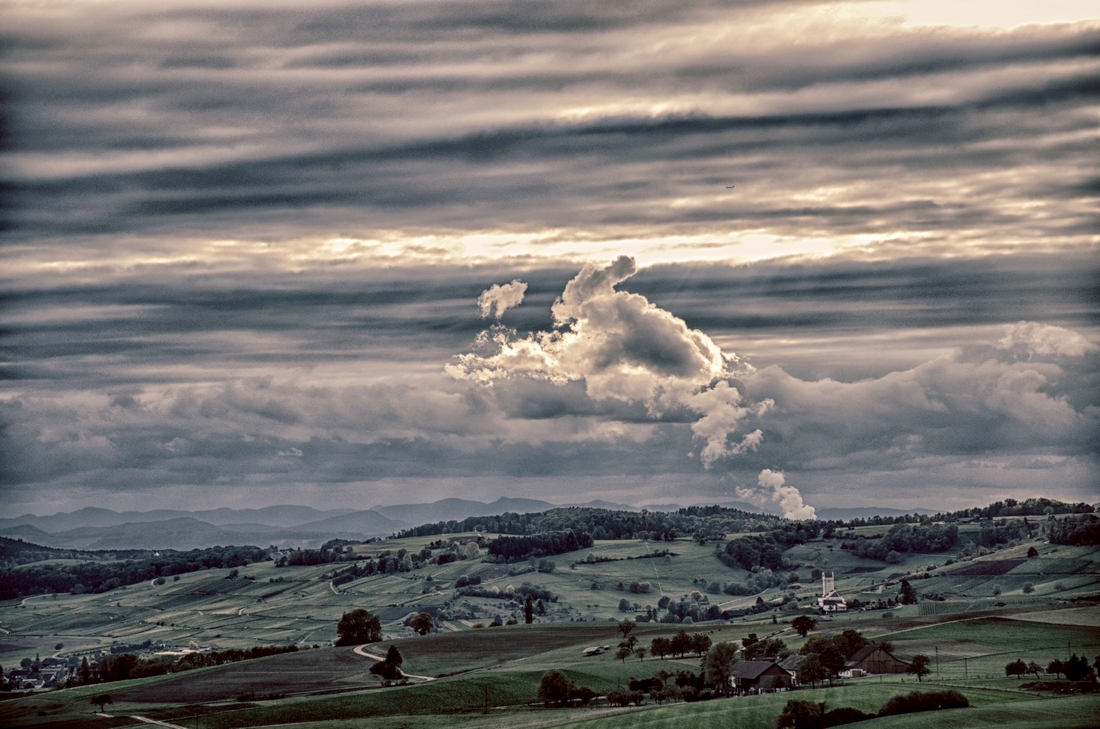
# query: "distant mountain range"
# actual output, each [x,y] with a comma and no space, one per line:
[296,526]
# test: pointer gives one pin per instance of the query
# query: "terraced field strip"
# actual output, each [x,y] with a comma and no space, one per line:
[1083,616]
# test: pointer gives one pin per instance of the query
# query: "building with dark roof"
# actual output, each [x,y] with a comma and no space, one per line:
[761,676]
[875,659]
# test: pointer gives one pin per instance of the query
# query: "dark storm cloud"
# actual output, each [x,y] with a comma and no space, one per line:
[402,183]
[436,115]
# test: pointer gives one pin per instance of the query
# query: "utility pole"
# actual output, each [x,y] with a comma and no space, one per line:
[937,661]
[965,674]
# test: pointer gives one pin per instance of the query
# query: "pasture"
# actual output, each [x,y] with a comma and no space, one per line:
[986,621]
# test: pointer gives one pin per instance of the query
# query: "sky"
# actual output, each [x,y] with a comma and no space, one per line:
[799,254]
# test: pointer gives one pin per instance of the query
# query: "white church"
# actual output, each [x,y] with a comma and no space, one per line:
[830,601]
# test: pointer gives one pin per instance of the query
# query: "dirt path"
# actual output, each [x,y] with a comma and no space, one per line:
[361,650]
[154,721]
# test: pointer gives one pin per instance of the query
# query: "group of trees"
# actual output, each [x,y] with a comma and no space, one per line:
[1074,669]
[14,552]
[609,524]
[810,715]
[357,627]
[1083,530]
[545,544]
[825,656]
[680,645]
[104,576]
[903,538]
[557,689]
[761,550]
[1027,507]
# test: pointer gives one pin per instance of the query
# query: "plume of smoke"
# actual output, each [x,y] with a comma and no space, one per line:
[772,488]
[501,297]
[623,348]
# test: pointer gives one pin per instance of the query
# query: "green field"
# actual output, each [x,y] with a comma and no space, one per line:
[986,621]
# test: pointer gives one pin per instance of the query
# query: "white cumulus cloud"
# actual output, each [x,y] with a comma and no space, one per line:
[1044,340]
[625,348]
[501,297]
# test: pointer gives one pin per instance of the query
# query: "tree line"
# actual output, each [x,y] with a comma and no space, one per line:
[608,524]
[546,544]
[105,576]
[14,552]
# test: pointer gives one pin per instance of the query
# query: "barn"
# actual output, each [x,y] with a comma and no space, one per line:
[875,659]
[760,677]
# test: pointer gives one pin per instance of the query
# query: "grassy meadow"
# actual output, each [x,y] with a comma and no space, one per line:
[995,609]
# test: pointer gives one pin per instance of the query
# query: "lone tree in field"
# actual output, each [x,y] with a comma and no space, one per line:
[907,596]
[102,700]
[528,610]
[625,627]
[803,624]
[919,667]
[392,656]
[359,626]
[422,623]
[1017,668]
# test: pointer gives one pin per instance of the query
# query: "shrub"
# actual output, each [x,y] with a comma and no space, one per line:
[923,701]
[844,715]
[801,715]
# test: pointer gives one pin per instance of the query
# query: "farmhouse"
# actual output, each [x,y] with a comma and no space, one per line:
[874,659]
[830,601]
[760,677]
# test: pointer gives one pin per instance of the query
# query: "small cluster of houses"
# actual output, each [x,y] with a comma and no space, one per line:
[764,676]
[48,673]
[773,674]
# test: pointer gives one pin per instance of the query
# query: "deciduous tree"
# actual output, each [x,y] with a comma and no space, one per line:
[718,666]
[422,623]
[803,624]
[919,667]
[359,626]
[554,688]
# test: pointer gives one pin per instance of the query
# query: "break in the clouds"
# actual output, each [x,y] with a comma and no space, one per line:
[852,244]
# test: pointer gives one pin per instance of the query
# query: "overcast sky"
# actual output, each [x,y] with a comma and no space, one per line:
[801,254]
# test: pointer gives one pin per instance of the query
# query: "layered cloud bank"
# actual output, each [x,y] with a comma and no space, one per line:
[241,243]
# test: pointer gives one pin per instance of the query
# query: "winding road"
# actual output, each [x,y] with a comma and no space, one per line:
[361,650]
